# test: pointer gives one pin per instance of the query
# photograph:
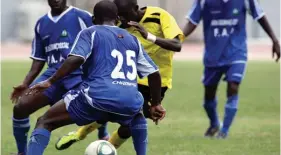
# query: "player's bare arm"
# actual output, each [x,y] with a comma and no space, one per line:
[36,68]
[267,28]
[70,64]
[156,109]
[189,28]
[168,44]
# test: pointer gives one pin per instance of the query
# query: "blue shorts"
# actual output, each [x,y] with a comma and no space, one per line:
[233,73]
[57,90]
[82,113]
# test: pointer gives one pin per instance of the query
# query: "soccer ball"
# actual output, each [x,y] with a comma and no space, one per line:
[100,147]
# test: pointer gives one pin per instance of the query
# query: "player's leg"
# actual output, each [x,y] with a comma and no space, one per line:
[131,125]
[25,107]
[74,108]
[234,76]
[139,134]
[57,116]
[21,111]
[70,83]
[211,79]
[82,133]
[121,135]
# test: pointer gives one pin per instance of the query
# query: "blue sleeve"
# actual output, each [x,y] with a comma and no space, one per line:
[254,9]
[195,14]
[145,65]
[38,51]
[85,19]
[83,44]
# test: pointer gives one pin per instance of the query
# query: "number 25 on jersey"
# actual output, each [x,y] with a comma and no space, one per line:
[117,73]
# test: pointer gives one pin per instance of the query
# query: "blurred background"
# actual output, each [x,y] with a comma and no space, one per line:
[19,17]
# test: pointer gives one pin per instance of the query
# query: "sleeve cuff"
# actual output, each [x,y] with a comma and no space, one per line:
[76,56]
[259,17]
[141,76]
[36,58]
[192,21]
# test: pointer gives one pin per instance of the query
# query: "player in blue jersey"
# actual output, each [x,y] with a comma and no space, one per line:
[112,58]
[55,33]
[224,23]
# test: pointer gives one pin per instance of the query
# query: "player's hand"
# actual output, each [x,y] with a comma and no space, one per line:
[157,113]
[38,88]
[17,92]
[276,50]
[140,28]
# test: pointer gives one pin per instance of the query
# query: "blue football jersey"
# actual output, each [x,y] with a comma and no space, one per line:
[54,36]
[113,60]
[224,24]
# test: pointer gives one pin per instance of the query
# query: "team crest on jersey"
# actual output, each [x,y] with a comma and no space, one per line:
[64,33]
[235,11]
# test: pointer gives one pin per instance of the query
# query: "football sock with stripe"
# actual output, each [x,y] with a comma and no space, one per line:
[230,112]
[38,141]
[20,131]
[210,107]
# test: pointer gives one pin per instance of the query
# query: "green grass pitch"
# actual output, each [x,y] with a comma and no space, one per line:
[255,130]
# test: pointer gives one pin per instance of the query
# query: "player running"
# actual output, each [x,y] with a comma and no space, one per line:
[160,35]
[112,59]
[225,52]
[55,33]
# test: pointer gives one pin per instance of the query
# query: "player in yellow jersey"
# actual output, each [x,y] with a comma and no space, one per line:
[160,36]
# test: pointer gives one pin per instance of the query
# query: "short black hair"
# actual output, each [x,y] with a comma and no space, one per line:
[126,3]
[105,10]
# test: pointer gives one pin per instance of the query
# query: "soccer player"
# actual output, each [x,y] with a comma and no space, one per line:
[225,52]
[160,35]
[55,33]
[112,58]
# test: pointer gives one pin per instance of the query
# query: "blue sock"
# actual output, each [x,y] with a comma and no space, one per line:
[139,134]
[211,110]
[20,129]
[38,141]
[230,111]
[102,131]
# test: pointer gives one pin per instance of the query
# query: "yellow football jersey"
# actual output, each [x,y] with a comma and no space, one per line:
[161,24]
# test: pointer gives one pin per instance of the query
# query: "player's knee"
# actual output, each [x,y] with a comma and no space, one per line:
[210,92]
[233,88]
[210,95]
[20,111]
[40,122]
[43,122]
[124,132]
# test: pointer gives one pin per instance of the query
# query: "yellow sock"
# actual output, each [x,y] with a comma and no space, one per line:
[85,130]
[116,140]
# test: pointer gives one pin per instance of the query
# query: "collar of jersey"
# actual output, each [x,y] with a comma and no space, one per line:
[60,16]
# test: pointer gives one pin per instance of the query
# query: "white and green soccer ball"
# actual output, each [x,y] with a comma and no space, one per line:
[100,147]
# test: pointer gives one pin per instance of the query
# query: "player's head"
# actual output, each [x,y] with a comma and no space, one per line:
[105,11]
[57,5]
[128,10]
